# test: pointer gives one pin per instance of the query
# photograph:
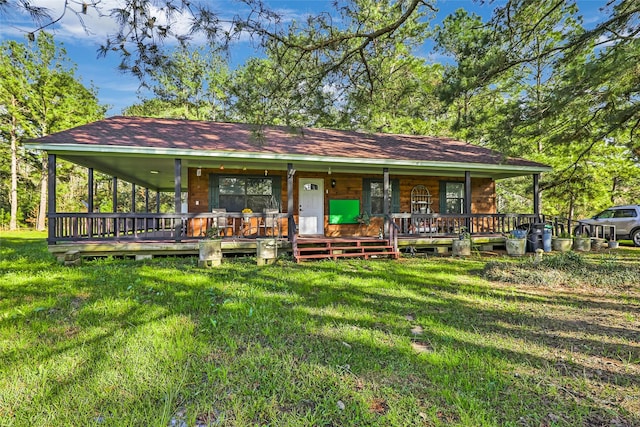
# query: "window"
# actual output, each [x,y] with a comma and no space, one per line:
[373,196]
[451,197]
[235,193]
[625,213]
[609,213]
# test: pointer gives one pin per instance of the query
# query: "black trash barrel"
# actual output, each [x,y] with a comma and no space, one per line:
[534,239]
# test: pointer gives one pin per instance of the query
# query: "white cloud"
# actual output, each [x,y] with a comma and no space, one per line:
[96,25]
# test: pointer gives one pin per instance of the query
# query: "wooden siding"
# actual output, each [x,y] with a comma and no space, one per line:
[198,187]
[348,186]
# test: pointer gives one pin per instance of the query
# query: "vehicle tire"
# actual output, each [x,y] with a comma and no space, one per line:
[635,236]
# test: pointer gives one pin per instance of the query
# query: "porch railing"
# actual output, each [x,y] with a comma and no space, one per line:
[435,225]
[178,227]
[160,226]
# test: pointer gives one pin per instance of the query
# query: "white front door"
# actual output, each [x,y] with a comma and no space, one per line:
[311,206]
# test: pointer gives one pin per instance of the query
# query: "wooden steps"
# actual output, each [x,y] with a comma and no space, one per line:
[319,248]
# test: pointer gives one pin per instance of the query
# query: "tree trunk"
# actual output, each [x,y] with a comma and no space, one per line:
[571,208]
[614,187]
[44,180]
[13,221]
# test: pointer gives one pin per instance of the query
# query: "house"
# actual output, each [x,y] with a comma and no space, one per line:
[329,183]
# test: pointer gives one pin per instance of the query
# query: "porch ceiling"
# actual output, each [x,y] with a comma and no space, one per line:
[141,168]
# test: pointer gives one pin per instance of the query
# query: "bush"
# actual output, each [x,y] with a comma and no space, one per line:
[564,260]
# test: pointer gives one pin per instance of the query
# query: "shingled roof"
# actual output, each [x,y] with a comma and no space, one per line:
[144,150]
[168,134]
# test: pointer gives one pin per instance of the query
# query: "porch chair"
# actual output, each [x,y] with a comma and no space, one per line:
[222,221]
[270,221]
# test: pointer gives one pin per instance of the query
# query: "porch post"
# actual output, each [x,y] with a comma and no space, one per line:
[90,201]
[90,192]
[157,221]
[536,195]
[467,200]
[114,198]
[134,221]
[178,197]
[114,194]
[178,185]
[51,198]
[291,228]
[133,198]
[146,208]
[386,200]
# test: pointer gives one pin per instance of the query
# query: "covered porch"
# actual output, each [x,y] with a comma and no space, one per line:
[180,227]
[412,191]
[145,235]
[283,222]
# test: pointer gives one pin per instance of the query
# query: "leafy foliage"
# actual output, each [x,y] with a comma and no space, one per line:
[191,84]
[533,81]
[39,94]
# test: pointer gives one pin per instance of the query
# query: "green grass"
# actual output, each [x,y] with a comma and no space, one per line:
[161,342]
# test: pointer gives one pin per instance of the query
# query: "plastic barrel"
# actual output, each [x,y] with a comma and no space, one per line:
[534,239]
[546,240]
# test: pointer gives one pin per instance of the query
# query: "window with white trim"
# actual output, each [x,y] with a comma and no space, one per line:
[451,197]
[373,196]
[237,192]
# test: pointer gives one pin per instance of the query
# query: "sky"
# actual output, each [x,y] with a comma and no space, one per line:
[118,90]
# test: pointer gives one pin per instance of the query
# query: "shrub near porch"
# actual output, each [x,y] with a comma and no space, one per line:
[410,342]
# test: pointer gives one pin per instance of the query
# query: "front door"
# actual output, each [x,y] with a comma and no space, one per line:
[311,206]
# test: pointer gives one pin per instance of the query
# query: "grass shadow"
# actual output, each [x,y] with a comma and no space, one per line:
[329,343]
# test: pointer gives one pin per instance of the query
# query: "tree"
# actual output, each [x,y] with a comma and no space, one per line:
[471,99]
[586,110]
[404,99]
[308,80]
[40,94]
[146,25]
[555,97]
[608,53]
[265,94]
[532,81]
[191,84]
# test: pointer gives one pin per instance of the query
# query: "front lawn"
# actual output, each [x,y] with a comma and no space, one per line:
[418,341]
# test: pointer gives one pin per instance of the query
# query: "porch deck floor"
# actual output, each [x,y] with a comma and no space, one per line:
[236,245]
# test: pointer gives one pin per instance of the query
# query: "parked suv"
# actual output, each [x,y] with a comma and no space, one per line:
[626,219]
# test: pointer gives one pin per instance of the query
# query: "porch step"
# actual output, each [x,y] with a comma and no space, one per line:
[343,248]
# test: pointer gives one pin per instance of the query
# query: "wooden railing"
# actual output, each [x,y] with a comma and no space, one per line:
[392,232]
[178,227]
[155,226]
[596,230]
[434,225]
